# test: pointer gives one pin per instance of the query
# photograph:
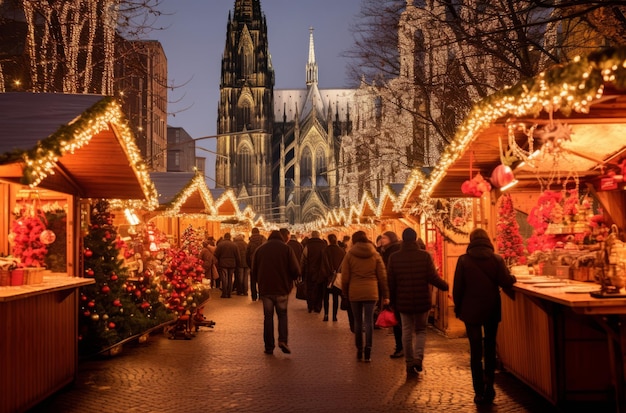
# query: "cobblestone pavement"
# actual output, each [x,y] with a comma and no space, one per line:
[225,370]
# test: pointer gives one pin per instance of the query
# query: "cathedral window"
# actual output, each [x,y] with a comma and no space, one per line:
[320,162]
[305,167]
[244,167]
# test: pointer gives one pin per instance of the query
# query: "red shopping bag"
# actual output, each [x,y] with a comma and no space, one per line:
[386,318]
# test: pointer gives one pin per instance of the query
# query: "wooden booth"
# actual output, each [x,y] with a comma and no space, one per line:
[56,152]
[561,137]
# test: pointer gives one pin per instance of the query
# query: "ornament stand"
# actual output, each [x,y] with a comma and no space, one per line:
[186,324]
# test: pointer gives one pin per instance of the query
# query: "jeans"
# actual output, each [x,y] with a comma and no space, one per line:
[336,292]
[273,303]
[243,275]
[315,295]
[480,377]
[397,333]
[363,316]
[414,337]
[226,275]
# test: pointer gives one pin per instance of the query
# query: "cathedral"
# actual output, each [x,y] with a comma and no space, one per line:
[295,154]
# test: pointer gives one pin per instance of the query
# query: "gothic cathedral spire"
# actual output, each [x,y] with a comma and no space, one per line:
[311,65]
[245,113]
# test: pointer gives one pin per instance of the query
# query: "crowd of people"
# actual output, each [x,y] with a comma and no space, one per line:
[362,276]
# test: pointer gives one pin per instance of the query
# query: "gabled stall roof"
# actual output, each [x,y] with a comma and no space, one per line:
[589,95]
[78,144]
[183,193]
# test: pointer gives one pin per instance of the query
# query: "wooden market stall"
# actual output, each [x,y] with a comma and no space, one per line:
[562,136]
[58,151]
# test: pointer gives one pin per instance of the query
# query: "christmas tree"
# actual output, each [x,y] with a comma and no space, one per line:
[108,311]
[183,287]
[510,243]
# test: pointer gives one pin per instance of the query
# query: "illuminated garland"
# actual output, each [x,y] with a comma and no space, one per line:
[566,88]
[105,114]
[196,184]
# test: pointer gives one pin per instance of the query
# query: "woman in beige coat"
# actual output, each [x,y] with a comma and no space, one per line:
[364,282]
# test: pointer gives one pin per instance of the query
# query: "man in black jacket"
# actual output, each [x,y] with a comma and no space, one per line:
[312,273]
[275,267]
[227,255]
[410,271]
[255,241]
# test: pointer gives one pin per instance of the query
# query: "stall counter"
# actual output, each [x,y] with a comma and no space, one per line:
[39,349]
[564,343]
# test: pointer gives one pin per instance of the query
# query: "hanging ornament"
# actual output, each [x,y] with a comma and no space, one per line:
[47,237]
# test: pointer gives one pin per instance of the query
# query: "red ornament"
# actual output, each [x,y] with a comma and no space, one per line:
[91,304]
[89,272]
[111,325]
[105,289]
[117,303]
[47,237]
[502,175]
[88,252]
[113,277]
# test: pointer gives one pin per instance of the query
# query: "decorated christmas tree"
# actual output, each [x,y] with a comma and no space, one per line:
[108,311]
[510,244]
[183,287]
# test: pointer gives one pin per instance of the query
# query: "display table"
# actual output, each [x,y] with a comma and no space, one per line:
[564,343]
[39,349]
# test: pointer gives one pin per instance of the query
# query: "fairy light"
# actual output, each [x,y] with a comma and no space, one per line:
[104,115]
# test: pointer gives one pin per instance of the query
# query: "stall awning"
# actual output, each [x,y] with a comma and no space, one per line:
[183,193]
[78,144]
[593,108]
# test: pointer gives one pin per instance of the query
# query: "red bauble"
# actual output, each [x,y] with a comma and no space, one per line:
[89,272]
[87,313]
[111,325]
[138,293]
[113,277]
[502,175]
[117,303]
[91,304]
[88,252]
[105,289]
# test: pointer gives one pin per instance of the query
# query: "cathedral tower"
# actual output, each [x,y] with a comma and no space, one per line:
[245,111]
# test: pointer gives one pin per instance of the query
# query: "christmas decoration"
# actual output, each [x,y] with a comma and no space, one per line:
[26,230]
[109,308]
[509,242]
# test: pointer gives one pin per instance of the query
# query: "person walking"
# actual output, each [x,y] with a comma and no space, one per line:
[364,282]
[389,244]
[243,271]
[479,275]
[411,271]
[209,261]
[276,268]
[311,265]
[255,241]
[227,255]
[332,257]
[296,246]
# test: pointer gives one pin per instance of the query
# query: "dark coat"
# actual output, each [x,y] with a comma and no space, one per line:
[243,246]
[275,267]
[332,257]
[227,254]
[388,250]
[479,275]
[411,271]
[255,241]
[296,247]
[311,261]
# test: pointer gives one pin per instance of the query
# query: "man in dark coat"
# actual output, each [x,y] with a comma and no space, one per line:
[255,241]
[296,246]
[275,267]
[242,276]
[312,274]
[331,265]
[479,275]
[227,255]
[410,272]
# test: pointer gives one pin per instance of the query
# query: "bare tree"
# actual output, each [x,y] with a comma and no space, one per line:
[464,50]
[67,46]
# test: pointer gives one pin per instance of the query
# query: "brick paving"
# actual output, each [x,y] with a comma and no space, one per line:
[225,370]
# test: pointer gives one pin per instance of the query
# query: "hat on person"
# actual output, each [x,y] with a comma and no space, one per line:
[409,235]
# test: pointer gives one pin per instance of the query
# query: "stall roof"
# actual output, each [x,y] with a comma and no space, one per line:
[589,100]
[77,144]
[183,193]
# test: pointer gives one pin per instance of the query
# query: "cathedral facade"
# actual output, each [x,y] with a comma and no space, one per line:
[295,154]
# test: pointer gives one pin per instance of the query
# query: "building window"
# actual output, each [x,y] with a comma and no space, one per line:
[320,162]
[305,166]
[244,169]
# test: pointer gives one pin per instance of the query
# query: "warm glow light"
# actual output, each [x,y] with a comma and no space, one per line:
[509,185]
